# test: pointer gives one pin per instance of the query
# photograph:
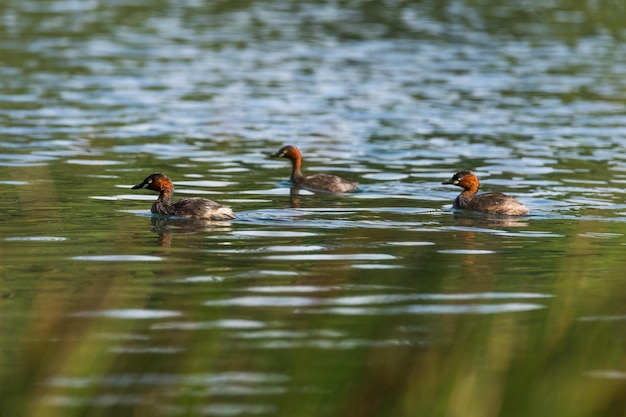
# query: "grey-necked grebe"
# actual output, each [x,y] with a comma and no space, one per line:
[194,207]
[494,203]
[323,182]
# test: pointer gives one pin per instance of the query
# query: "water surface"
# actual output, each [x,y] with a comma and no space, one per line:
[382,302]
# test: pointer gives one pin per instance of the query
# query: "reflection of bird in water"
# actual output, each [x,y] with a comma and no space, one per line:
[294,197]
[166,227]
[494,203]
[307,199]
[322,182]
[193,207]
[472,219]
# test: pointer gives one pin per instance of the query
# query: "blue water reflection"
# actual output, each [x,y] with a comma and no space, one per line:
[377,303]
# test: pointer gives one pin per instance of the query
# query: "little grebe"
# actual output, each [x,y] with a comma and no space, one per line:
[323,182]
[495,203]
[194,207]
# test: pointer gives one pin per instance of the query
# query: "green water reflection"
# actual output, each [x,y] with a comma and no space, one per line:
[377,303]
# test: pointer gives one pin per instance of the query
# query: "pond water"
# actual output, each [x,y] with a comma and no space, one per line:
[381,302]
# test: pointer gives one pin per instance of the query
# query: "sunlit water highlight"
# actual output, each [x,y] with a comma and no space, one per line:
[380,302]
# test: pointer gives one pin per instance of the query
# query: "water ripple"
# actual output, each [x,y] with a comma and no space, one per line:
[366,301]
[96,162]
[430,309]
[217,324]
[118,258]
[466,251]
[271,233]
[131,314]
[36,239]
[333,257]
[260,301]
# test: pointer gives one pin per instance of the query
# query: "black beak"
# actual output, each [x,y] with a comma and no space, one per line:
[135,187]
[450,181]
[276,155]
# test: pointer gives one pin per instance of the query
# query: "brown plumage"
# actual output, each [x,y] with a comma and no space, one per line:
[323,182]
[494,203]
[193,207]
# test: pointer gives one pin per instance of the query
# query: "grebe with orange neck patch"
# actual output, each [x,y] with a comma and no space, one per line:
[322,182]
[494,203]
[193,207]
